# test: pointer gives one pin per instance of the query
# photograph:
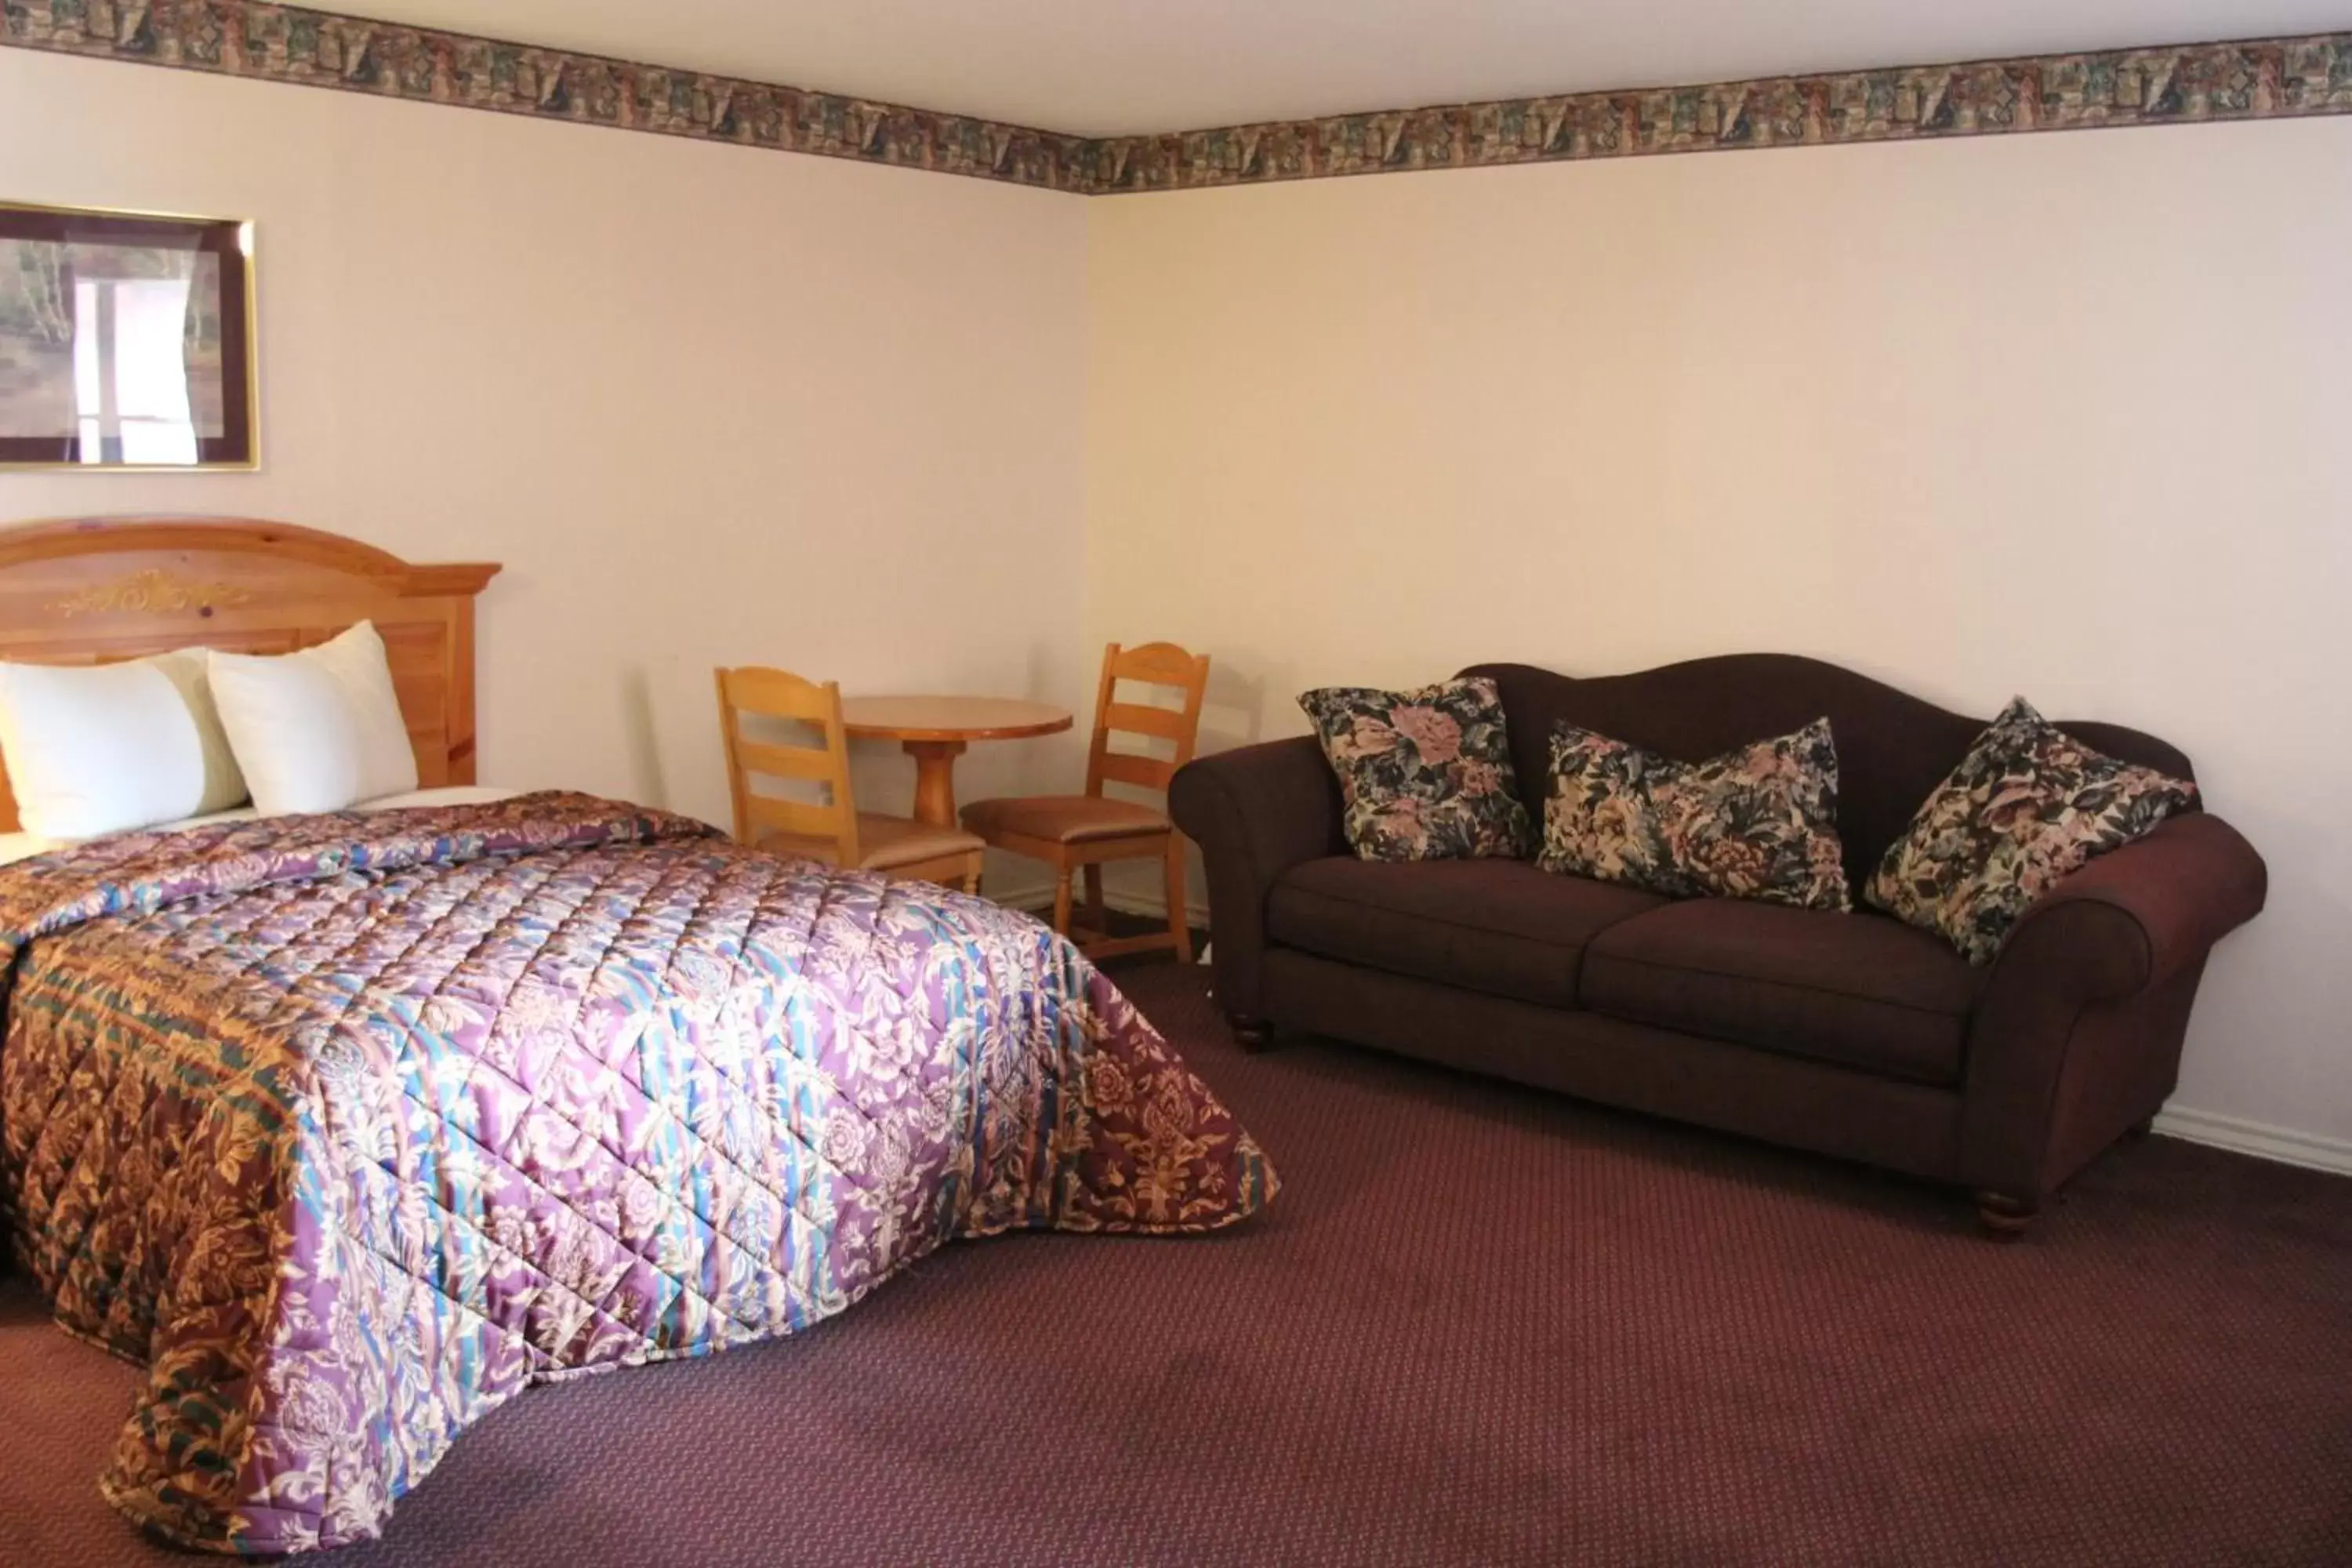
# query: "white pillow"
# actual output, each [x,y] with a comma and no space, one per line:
[16,846]
[104,748]
[224,780]
[317,730]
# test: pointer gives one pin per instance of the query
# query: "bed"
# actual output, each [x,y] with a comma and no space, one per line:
[351,1126]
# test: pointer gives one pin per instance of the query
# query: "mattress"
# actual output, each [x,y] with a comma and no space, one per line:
[348,1127]
[16,846]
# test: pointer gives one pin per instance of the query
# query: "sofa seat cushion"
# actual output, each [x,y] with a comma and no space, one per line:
[1857,990]
[1497,926]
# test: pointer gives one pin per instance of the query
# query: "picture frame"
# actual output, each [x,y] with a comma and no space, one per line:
[126,340]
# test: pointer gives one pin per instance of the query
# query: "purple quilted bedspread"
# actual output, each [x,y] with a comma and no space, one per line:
[350,1127]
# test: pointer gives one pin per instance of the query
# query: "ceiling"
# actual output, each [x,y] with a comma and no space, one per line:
[1105,68]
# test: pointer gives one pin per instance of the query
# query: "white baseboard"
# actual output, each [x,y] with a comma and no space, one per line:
[2259,1139]
[1037,900]
[1030,901]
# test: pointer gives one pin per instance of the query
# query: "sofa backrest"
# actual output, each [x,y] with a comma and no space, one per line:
[1893,748]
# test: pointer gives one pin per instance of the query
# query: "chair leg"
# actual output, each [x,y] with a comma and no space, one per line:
[1180,924]
[1062,899]
[1097,918]
[971,875]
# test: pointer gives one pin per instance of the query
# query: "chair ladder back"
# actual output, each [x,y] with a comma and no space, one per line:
[1153,664]
[780,694]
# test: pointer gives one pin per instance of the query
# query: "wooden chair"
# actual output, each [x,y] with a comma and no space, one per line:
[836,832]
[1080,832]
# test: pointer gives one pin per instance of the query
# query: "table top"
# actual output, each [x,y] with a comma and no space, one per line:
[950,718]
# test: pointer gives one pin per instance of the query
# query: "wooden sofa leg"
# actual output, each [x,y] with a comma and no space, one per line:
[1252,1035]
[2004,1217]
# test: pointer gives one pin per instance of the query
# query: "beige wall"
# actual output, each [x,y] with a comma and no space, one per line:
[2059,414]
[708,404]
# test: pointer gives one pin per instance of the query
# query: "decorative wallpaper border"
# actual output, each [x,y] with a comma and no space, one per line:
[317,48]
[2262,81]
[2187,84]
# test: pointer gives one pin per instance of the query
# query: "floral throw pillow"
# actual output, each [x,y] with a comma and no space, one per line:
[1426,775]
[2026,806]
[1757,823]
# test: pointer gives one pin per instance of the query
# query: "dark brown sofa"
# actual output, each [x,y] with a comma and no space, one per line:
[1854,1035]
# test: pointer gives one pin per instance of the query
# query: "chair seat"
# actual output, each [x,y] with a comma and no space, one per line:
[1062,818]
[1858,990]
[885,843]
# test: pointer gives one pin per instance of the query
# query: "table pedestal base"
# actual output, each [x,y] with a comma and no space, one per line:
[935,800]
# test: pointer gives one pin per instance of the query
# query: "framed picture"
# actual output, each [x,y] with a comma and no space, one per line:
[126,340]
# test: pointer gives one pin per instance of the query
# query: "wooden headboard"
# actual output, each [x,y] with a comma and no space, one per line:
[90,590]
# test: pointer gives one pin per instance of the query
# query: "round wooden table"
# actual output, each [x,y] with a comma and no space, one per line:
[935,730]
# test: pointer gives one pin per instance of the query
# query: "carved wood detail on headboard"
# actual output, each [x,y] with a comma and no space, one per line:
[92,590]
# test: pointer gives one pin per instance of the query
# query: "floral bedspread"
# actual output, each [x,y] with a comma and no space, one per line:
[350,1127]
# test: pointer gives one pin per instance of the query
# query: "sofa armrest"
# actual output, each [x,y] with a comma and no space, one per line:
[2077,1035]
[1255,812]
[2130,920]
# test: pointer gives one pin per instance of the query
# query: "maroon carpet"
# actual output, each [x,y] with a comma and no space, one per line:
[1478,1326]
